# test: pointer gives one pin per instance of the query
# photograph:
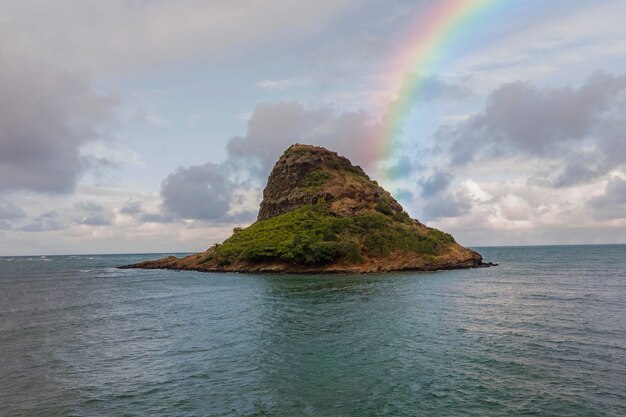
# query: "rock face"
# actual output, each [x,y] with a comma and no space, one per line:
[320,213]
[310,174]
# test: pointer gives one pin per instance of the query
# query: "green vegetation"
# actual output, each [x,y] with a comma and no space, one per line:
[314,181]
[335,164]
[297,150]
[308,235]
[402,217]
[384,207]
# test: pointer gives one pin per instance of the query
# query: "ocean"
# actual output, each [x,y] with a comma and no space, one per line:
[543,333]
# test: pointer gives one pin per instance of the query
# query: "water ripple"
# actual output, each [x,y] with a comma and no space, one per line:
[544,333]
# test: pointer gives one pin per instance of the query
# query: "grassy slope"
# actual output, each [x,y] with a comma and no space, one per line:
[308,235]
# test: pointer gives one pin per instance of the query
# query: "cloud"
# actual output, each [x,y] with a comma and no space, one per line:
[89,206]
[9,214]
[534,120]
[612,204]
[46,115]
[403,195]
[274,126]
[93,214]
[197,192]
[578,168]
[436,183]
[148,33]
[559,42]
[9,211]
[612,143]
[95,220]
[156,218]
[578,128]
[135,210]
[433,88]
[230,191]
[402,168]
[514,207]
[45,222]
[132,208]
[283,84]
[447,205]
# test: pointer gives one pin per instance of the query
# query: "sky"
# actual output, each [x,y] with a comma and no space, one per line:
[151,125]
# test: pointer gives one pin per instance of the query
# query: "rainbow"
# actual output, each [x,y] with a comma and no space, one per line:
[429,38]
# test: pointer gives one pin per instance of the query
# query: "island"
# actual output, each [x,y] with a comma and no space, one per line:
[322,214]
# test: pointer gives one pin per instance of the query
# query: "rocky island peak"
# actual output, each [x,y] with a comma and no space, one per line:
[322,214]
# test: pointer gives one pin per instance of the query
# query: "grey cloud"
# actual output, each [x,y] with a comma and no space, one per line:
[52,214]
[578,170]
[197,192]
[572,169]
[612,134]
[9,211]
[534,120]
[97,166]
[43,223]
[402,168]
[447,205]
[206,192]
[282,84]
[96,220]
[403,195]
[9,214]
[274,126]
[436,183]
[612,204]
[548,123]
[46,114]
[41,226]
[433,88]
[132,208]
[155,218]
[89,206]
[148,33]
[94,214]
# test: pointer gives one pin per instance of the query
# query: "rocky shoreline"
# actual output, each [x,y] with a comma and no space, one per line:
[190,263]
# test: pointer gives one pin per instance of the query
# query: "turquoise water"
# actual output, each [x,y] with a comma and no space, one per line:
[544,333]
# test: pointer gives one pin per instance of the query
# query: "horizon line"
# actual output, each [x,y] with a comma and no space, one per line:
[192,252]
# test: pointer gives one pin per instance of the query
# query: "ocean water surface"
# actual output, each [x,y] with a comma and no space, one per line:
[544,333]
